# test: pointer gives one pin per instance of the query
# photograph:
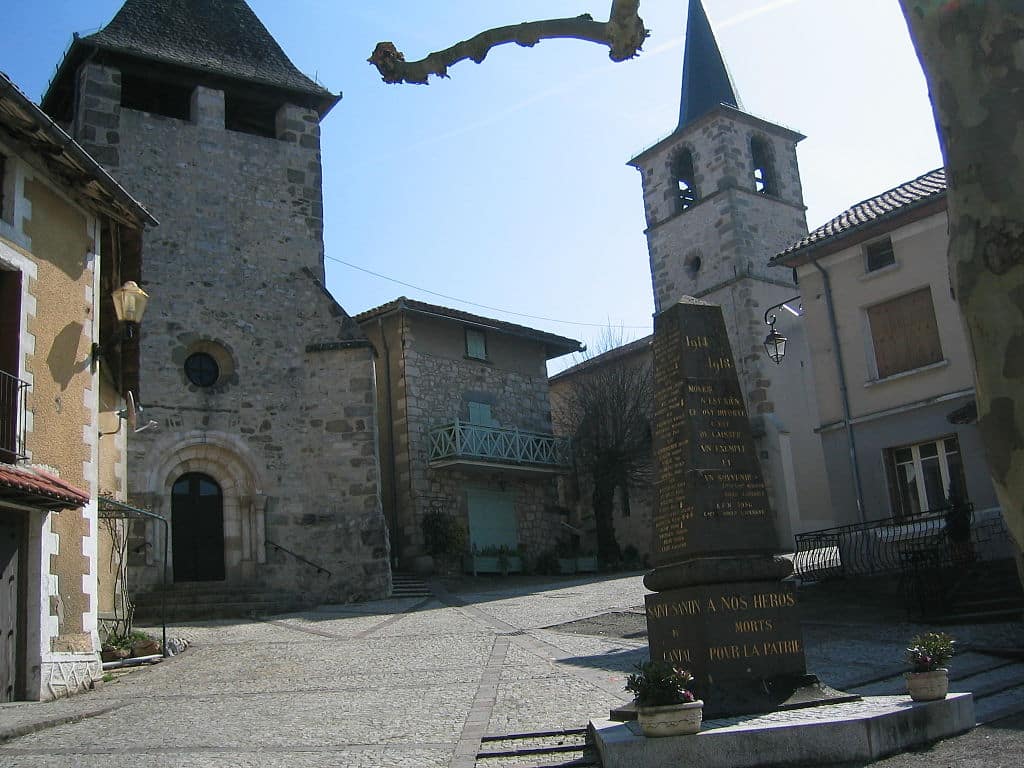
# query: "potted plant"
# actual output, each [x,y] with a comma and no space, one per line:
[664,704]
[928,654]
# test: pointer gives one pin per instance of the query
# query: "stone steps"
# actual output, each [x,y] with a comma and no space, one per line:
[193,602]
[406,585]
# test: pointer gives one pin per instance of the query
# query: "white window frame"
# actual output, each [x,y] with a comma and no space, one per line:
[922,491]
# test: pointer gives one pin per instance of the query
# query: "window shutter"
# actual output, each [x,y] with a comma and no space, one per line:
[904,333]
[480,414]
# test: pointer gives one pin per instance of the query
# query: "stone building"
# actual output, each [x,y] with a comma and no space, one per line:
[262,386]
[722,195]
[69,235]
[465,428]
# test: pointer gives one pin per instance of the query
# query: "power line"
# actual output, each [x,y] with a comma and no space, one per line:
[477,304]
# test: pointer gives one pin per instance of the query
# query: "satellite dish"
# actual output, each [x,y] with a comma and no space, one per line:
[131,412]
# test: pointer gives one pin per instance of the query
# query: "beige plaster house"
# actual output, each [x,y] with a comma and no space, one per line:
[892,367]
[465,427]
[69,235]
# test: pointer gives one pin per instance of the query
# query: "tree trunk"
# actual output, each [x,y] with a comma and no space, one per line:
[604,517]
[971,52]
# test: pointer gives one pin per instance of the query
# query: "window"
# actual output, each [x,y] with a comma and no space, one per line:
[686,186]
[248,115]
[201,369]
[904,333]
[879,254]
[921,476]
[764,172]
[480,414]
[476,344]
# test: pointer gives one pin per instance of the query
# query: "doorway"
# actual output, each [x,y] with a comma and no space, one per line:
[12,620]
[197,528]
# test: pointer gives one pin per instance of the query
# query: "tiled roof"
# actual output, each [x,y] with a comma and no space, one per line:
[37,487]
[220,36]
[560,345]
[606,357]
[924,189]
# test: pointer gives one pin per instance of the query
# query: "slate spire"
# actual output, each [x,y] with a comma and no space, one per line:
[706,81]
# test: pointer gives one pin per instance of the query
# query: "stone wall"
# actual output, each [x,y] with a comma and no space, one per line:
[235,271]
[433,385]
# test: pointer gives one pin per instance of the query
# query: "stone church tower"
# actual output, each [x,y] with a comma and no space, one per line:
[722,196]
[264,459]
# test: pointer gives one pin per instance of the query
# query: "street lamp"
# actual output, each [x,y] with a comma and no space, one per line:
[775,342]
[129,306]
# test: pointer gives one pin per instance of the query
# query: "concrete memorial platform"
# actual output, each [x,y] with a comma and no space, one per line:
[858,731]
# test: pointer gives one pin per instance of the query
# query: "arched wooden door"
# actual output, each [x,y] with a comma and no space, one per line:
[197,528]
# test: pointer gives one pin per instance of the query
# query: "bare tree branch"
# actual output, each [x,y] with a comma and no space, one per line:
[623,33]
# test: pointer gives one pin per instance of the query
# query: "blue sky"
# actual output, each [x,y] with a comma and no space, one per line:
[506,185]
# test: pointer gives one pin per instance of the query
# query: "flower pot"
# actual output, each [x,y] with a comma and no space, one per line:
[587,564]
[671,719]
[567,565]
[928,686]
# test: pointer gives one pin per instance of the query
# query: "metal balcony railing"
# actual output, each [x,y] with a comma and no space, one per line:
[12,418]
[876,547]
[472,442]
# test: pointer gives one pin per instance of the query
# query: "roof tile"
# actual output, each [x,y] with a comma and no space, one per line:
[923,189]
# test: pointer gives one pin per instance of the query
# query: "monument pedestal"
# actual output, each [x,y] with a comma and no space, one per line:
[721,608]
[859,732]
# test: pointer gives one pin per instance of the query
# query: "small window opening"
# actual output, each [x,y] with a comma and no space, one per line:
[764,173]
[682,171]
[879,254]
[146,94]
[202,370]
[251,116]
[476,344]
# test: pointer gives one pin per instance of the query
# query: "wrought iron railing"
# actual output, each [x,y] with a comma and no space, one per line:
[12,418]
[278,548]
[461,440]
[873,548]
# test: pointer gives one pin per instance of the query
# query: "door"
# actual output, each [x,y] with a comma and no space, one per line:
[11,537]
[197,528]
[492,520]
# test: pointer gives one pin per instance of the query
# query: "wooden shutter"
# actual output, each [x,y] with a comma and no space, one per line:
[904,333]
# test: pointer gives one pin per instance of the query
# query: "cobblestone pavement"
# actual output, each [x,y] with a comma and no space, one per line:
[398,683]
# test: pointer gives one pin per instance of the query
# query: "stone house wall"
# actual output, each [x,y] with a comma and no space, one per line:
[432,383]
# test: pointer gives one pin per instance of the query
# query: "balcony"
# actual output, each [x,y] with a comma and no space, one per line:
[461,443]
[12,418]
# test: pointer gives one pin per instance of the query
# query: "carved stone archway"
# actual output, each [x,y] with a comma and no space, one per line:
[225,459]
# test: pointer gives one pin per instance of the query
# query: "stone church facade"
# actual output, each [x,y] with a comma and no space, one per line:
[264,459]
[722,195]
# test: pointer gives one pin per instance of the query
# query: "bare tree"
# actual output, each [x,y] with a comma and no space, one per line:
[606,407]
[623,33]
[971,55]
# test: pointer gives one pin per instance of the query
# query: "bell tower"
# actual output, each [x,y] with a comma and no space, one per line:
[722,195]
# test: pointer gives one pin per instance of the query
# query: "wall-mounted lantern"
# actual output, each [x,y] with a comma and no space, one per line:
[775,342]
[129,306]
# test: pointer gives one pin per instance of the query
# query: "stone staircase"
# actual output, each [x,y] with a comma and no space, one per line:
[988,591]
[407,585]
[195,601]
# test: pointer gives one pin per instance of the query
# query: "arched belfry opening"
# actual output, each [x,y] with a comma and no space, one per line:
[765,181]
[685,179]
[197,528]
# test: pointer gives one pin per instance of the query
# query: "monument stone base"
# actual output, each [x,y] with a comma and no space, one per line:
[859,731]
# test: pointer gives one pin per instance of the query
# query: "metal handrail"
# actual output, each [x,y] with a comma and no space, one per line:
[460,439]
[12,417]
[873,548]
[319,568]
